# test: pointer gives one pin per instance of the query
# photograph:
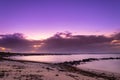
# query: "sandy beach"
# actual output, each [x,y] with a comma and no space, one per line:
[16,70]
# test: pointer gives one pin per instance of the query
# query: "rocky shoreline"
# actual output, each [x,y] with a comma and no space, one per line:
[28,70]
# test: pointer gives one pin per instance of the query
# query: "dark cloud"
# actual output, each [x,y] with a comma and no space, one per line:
[62,42]
[116,36]
[66,42]
[16,42]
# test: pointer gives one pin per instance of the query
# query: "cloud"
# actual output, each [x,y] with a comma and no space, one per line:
[66,42]
[116,36]
[16,42]
[61,42]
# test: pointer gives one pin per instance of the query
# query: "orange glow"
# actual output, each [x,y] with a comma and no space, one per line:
[33,51]
[38,36]
[36,46]
[2,49]
[115,42]
[43,35]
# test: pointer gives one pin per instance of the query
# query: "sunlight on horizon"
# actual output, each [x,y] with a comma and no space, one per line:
[43,36]
[3,49]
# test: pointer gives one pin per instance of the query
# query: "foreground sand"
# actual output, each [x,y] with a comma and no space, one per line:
[14,70]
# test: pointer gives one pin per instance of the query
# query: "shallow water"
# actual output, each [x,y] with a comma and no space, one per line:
[62,58]
[105,65]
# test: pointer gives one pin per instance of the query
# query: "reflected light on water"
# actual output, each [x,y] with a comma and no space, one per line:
[61,58]
[4,49]
[106,65]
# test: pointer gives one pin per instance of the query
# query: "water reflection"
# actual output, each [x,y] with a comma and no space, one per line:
[105,65]
[62,58]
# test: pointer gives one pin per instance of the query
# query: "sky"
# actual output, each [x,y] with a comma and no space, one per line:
[32,25]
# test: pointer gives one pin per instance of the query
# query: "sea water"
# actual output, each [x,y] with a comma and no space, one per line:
[106,65]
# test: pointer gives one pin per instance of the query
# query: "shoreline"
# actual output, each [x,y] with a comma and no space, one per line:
[22,70]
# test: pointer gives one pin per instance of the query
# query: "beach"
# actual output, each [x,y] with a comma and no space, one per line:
[26,70]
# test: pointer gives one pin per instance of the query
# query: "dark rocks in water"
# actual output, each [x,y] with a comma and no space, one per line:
[83,61]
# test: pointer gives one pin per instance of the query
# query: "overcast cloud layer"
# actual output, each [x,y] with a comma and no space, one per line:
[61,42]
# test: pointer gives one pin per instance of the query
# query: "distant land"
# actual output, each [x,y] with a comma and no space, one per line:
[27,54]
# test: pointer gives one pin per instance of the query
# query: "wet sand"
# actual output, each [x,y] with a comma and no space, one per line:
[15,70]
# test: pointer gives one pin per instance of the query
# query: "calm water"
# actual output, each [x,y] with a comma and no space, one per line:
[107,65]
[62,58]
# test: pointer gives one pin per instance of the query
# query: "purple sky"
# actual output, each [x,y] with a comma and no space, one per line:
[41,19]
